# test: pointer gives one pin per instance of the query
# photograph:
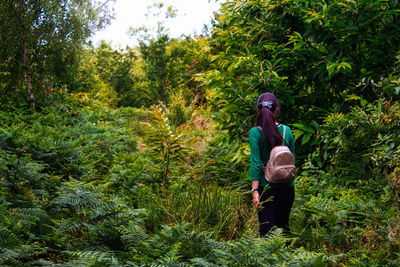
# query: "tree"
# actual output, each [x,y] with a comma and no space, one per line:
[316,56]
[152,45]
[104,70]
[40,42]
[170,65]
[188,57]
[155,67]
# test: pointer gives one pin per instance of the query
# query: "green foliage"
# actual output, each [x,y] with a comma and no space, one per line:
[169,65]
[272,251]
[306,132]
[224,163]
[354,221]
[114,76]
[40,44]
[155,60]
[88,214]
[76,191]
[315,56]
[362,143]
[167,142]
[204,207]
[18,256]
[39,151]
[152,46]
[83,184]
[55,141]
[128,171]
[179,112]
[187,58]
[141,76]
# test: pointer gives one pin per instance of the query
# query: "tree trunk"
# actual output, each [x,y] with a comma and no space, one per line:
[20,14]
[28,74]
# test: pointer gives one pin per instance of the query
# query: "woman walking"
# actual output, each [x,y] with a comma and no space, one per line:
[274,201]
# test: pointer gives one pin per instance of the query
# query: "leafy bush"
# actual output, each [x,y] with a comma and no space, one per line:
[357,221]
[362,144]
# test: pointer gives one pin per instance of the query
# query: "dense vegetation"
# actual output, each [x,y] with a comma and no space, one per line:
[139,156]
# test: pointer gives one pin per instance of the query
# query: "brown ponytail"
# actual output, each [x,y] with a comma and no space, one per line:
[267,106]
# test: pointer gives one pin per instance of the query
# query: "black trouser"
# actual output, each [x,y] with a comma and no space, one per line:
[276,205]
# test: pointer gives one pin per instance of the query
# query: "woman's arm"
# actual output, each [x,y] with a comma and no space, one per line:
[255,165]
[256,195]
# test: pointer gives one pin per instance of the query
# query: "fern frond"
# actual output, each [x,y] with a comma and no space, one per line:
[202,262]
[7,238]
[77,196]
[7,255]
[133,235]
[17,255]
[97,256]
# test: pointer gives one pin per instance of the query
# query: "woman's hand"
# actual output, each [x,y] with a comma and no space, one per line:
[256,199]
[256,195]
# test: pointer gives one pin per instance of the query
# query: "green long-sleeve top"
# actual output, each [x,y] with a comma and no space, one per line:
[260,152]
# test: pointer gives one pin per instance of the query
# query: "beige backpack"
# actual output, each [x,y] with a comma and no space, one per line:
[280,167]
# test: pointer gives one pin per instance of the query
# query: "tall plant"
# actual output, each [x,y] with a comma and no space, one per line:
[167,143]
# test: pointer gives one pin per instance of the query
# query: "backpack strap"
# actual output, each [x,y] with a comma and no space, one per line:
[284,133]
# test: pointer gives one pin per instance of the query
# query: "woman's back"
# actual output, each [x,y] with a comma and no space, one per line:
[260,152]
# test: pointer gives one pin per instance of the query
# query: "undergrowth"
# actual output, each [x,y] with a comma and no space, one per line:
[79,188]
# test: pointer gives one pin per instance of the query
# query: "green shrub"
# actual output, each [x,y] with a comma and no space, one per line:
[362,144]
[342,219]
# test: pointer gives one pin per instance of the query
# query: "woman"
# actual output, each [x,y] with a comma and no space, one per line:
[274,201]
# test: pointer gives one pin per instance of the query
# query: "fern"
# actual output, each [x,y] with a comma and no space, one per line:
[180,244]
[76,196]
[99,257]
[28,220]
[171,258]
[8,238]
[18,256]
[166,142]
[306,258]
[134,235]
[273,251]
[203,206]
[7,255]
